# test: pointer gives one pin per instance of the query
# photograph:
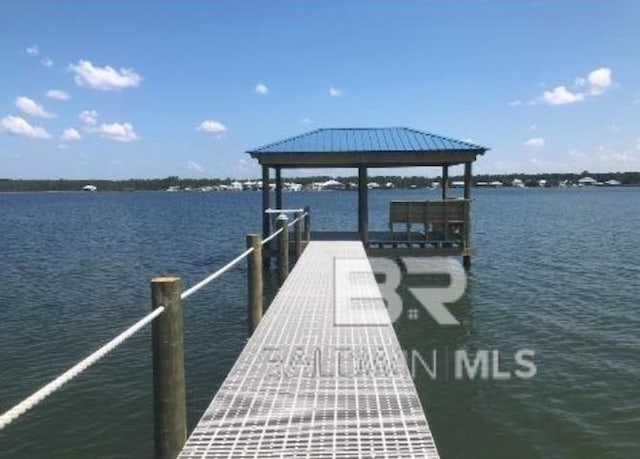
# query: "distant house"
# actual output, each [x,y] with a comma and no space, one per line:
[612,182]
[517,183]
[373,185]
[542,183]
[236,186]
[89,188]
[457,184]
[496,184]
[290,186]
[389,185]
[329,185]
[587,181]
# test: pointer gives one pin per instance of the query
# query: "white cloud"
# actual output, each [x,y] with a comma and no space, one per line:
[57,94]
[599,80]
[63,146]
[195,167]
[561,96]
[638,144]
[89,117]
[33,50]
[595,84]
[47,62]
[261,89]
[535,142]
[213,126]
[104,78]
[335,92]
[116,131]
[71,134]
[30,107]
[515,103]
[305,120]
[533,127]
[19,126]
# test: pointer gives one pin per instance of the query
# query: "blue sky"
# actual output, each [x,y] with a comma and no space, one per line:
[141,89]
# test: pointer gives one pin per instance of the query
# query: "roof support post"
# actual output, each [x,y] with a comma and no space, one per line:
[445,181]
[466,254]
[363,205]
[278,187]
[266,222]
[467,180]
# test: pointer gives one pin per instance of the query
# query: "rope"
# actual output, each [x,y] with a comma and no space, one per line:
[293,222]
[187,293]
[273,235]
[14,413]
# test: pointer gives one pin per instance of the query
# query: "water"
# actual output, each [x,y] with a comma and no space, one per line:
[556,271]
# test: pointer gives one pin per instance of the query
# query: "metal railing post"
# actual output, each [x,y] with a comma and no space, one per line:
[283,248]
[255,281]
[169,400]
[298,234]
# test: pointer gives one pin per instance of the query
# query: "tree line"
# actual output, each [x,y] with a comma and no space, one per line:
[552,179]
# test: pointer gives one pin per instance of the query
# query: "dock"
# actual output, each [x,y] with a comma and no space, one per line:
[323,375]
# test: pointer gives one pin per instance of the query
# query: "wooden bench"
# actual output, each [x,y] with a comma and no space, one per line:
[440,220]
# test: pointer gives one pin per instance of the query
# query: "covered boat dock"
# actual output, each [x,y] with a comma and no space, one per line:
[443,225]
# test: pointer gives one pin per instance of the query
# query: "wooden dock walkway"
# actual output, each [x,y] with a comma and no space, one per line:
[323,376]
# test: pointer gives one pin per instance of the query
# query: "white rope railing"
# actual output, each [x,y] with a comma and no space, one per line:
[190,291]
[295,220]
[28,403]
[273,235]
[9,416]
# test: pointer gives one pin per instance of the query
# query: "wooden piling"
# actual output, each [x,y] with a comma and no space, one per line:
[363,205]
[466,257]
[266,218]
[298,234]
[255,281]
[169,399]
[283,248]
[307,224]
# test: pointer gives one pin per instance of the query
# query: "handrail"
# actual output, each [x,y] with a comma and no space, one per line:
[282,211]
[271,237]
[34,399]
[190,291]
[296,220]
[14,413]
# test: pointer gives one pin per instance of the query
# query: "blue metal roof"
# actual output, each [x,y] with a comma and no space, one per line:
[366,140]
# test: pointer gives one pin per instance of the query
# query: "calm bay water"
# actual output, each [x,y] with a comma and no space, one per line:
[556,271]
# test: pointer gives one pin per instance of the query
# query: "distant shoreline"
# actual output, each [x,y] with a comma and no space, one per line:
[544,180]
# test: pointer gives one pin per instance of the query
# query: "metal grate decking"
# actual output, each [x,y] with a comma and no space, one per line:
[323,376]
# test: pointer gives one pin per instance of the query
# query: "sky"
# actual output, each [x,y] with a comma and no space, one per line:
[120,90]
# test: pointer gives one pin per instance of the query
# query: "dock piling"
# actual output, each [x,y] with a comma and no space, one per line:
[169,399]
[307,224]
[255,281]
[283,248]
[298,234]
